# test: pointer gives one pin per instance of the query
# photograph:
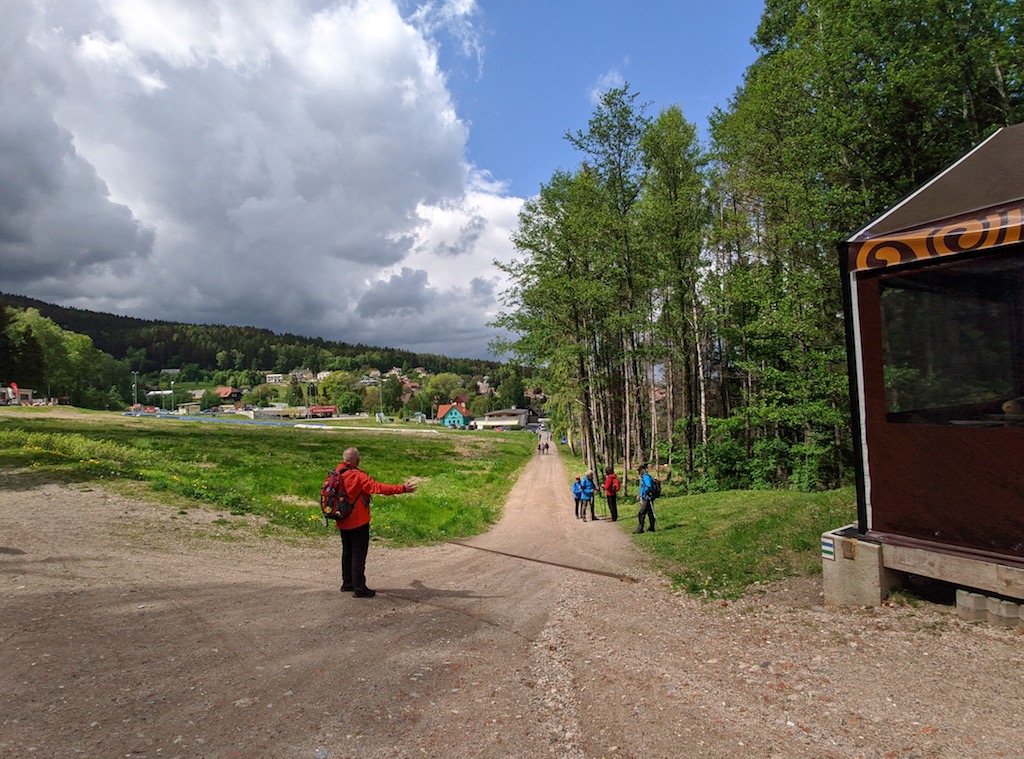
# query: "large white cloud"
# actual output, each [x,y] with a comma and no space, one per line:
[294,164]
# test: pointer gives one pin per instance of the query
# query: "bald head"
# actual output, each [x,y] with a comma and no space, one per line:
[351,456]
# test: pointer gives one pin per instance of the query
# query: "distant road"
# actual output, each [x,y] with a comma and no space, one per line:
[299,423]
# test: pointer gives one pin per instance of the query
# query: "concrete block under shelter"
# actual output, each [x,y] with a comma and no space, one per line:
[999,612]
[972,607]
[853,571]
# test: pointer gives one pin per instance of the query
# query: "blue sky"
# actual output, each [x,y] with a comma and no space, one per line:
[543,60]
[347,169]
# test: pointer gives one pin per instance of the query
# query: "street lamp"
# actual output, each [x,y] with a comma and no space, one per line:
[135,388]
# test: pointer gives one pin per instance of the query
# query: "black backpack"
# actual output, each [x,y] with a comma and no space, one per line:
[334,500]
[654,491]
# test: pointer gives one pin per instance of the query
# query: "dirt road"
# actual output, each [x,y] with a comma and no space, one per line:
[135,630]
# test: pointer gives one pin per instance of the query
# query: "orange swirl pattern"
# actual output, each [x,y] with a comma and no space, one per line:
[994,229]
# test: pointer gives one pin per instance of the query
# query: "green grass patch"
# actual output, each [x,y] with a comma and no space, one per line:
[276,472]
[717,545]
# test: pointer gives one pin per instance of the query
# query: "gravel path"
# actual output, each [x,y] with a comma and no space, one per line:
[135,630]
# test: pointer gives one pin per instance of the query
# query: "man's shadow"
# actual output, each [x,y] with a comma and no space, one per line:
[417,591]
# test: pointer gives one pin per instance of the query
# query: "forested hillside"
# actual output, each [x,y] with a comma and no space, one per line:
[151,345]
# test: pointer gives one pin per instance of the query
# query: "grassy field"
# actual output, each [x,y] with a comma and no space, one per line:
[714,545]
[276,472]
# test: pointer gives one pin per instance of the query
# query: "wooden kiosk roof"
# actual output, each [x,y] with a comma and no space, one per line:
[975,204]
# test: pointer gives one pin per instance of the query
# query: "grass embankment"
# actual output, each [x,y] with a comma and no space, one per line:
[719,544]
[276,472]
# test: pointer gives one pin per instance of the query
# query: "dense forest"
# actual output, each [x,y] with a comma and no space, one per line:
[150,346]
[685,298]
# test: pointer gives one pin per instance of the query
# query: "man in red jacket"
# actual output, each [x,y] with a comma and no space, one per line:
[355,528]
[611,492]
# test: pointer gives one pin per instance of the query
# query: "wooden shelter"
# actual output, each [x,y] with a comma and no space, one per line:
[934,301]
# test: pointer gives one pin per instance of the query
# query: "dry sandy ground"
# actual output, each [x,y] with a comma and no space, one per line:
[129,629]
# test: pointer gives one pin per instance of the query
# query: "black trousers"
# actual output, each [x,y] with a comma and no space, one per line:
[613,506]
[354,545]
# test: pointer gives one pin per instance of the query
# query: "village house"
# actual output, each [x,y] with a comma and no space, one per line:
[454,414]
[504,418]
[228,394]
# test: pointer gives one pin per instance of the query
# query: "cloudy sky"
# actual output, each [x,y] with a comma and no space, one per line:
[347,169]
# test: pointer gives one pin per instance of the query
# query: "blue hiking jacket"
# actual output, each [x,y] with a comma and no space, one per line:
[645,485]
[588,489]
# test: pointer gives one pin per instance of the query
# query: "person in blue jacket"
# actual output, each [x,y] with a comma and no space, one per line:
[587,497]
[646,500]
[577,494]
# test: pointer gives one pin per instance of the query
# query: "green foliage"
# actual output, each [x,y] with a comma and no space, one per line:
[443,387]
[348,402]
[849,107]
[511,392]
[722,463]
[293,395]
[276,472]
[579,299]
[8,354]
[371,400]
[391,390]
[479,405]
[54,361]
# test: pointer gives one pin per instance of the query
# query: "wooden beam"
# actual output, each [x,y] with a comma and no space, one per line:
[958,570]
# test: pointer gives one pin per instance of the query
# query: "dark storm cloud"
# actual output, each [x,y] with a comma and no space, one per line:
[56,215]
[403,295]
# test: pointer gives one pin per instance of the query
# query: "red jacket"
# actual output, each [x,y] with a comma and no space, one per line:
[360,486]
[611,484]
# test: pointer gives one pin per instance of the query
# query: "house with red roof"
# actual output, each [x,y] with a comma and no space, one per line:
[454,414]
[228,394]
